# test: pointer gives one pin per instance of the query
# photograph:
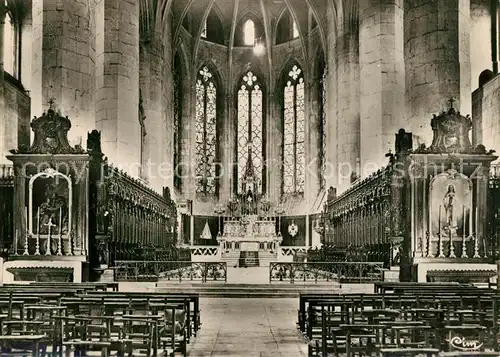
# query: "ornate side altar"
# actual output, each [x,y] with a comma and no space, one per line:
[425,213]
[449,203]
[50,205]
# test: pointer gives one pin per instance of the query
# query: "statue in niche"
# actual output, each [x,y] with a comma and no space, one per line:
[448,207]
[53,212]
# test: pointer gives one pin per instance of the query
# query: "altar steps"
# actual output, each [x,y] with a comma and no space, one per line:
[233,256]
[221,290]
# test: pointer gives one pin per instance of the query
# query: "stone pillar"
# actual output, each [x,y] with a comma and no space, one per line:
[227,150]
[313,141]
[3,149]
[348,108]
[437,60]
[166,138]
[382,80]
[274,147]
[117,82]
[158,169]
[63,62]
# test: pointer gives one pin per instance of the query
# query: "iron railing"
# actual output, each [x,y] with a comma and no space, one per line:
[346,272]
[134,270]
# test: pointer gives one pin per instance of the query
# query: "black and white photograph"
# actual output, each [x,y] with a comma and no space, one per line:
[249,178]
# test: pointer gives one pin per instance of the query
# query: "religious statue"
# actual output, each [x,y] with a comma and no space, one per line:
[448,202]
[53,212]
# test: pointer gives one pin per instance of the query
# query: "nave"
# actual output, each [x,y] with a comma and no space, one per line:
[396,319]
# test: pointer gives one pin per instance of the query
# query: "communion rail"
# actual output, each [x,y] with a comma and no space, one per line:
[129,270]
[344,272]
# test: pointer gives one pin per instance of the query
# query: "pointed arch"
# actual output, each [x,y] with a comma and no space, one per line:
[259,29]
[250,128]
[207,107]
[292,87]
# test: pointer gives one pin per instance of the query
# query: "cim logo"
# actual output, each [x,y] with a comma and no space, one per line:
[463,344]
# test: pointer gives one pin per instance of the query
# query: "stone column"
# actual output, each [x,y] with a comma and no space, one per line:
[348,108]
[63,62]
[117,82]
[437,60]
[3,149]
[274,147]
[152,66]
[382,79]
[313,141]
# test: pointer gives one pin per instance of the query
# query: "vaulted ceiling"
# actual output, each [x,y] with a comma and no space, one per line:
[303,12]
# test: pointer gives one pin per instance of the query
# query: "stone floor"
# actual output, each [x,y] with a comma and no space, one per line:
[248,328]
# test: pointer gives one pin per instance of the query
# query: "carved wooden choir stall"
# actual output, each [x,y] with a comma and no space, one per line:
[426,210]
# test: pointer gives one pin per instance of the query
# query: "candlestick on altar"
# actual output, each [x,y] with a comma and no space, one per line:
[26,235]
[440,239]
[439,220]
[464,238]
[59,242]
[476,236]
[37,245]
[26,219]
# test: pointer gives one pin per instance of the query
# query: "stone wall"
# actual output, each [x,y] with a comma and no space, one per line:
[15,126]
[480,39]
[485,114]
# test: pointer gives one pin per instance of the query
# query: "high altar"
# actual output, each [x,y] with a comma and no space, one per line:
[249,226]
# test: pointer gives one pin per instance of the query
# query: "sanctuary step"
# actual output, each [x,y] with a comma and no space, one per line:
[249,259]
[214,290]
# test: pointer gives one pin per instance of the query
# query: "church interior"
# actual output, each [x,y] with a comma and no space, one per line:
[249,177]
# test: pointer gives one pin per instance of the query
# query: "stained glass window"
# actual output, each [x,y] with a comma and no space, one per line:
[250,128]
[177,122]
[206,132]
[293,132]
[249,33]
[9,45]
[322,103]
[295,30]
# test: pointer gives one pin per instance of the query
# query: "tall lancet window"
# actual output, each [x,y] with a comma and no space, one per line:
[293,132]
[206,132]
[322,124]
[10,37]
[250,153]
[249,33]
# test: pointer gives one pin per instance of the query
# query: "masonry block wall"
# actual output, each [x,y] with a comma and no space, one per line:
[15,119]
[485,114]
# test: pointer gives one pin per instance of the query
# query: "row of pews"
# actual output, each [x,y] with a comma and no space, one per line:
[55,319]
[403,319]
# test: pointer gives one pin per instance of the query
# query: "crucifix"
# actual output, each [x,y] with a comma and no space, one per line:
[451,101]
[49,225]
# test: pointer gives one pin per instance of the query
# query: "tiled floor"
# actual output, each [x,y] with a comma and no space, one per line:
[248,328]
